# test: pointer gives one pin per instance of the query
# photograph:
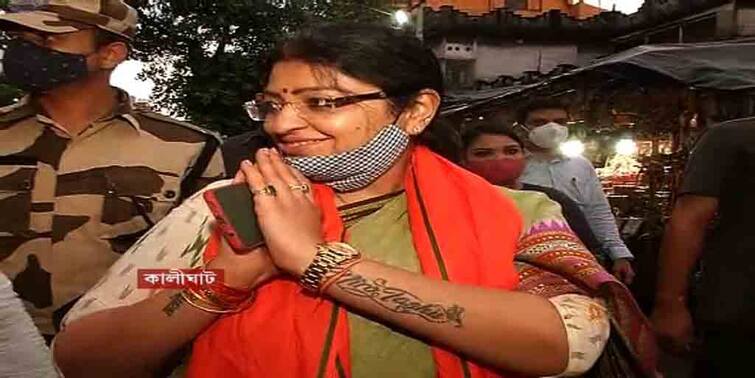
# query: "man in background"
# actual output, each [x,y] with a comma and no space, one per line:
[545,122]
[717,184]
[82,173]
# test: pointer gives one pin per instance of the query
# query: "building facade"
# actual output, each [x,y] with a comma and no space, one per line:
[526,8]
[492,43]
[689,21]
[483,43]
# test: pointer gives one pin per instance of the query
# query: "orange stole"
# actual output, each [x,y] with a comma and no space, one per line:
[464,230]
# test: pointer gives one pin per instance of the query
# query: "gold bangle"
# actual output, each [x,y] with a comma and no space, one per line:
[198,298]
[204,307]
[209,295]
[204,268]
[205,301]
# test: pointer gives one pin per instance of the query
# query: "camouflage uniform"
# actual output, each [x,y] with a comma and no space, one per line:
[65,16]
[72,204]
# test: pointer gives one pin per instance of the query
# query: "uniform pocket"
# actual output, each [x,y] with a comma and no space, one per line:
[126,218]
[16,184]
[128,211]
[133,197]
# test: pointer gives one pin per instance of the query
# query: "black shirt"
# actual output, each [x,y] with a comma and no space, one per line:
[722,165]
[575,217]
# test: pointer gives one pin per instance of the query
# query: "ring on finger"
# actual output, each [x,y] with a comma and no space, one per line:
[304,188]
[268,190]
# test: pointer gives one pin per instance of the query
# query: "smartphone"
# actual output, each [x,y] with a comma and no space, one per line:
[233,209]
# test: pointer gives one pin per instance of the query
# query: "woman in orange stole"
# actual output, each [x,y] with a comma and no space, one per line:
[380,259]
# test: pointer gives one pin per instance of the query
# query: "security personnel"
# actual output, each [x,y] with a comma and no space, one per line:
[83,174]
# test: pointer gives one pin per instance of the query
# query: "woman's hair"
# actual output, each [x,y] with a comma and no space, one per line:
[475,130]
[390,59]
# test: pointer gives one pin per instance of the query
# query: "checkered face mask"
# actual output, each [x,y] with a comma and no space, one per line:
[355,169]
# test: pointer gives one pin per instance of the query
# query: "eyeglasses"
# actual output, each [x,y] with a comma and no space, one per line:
[260,109]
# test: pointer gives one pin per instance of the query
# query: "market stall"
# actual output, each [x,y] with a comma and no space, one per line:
[636,115]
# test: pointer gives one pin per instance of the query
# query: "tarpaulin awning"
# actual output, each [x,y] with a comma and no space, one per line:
[459,101]
[714,65]
[719,65]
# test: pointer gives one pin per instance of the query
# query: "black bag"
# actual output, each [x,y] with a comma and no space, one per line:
[616,361]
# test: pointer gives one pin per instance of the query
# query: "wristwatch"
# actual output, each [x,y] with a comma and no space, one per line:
[330,260]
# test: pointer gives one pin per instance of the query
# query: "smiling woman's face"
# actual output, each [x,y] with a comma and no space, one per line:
[299,130]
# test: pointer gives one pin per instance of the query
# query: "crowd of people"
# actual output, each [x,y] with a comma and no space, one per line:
[381,258]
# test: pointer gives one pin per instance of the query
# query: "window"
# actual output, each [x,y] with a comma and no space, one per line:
[459,74]
[516,5]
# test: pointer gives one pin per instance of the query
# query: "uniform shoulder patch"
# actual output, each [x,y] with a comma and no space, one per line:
[172,130]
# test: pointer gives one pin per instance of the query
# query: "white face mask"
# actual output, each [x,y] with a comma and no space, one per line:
[549,136]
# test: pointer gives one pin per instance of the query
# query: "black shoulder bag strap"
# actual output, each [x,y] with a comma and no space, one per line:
[189,183]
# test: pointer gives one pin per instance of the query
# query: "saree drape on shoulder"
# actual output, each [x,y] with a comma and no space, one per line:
[551,261]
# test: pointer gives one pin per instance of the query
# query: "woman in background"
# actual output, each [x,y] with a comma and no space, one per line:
[493,151]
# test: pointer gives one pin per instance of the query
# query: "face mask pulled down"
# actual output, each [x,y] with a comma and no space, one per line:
[355,169]
[549,136]
[37,69]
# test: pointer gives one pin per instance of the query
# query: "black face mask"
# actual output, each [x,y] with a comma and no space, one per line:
[38,69]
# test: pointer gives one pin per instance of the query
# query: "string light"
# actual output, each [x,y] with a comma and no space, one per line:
[572,148]
[401,17]
[626,147]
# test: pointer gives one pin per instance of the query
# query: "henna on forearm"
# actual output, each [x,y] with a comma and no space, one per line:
[399,300]
[176,301]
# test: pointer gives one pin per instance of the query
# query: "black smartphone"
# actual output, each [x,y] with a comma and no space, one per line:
[233,209]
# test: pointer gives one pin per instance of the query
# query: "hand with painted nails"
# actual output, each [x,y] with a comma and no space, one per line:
[286,210]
